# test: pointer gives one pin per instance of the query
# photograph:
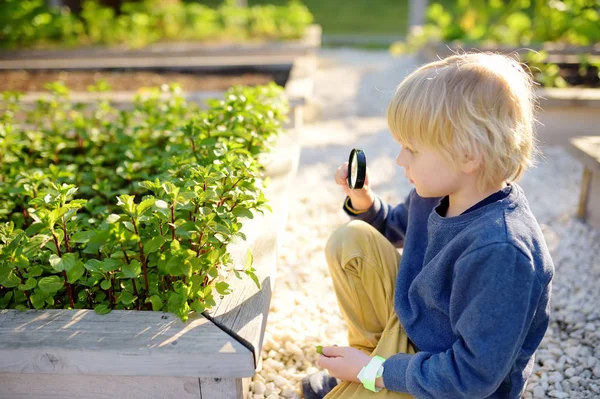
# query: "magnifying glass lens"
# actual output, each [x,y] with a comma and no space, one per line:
[354,170]
[357,169]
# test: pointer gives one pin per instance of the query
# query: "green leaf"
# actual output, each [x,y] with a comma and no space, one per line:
[35,244]
[213,256]
[111,264]
[113,218]
[102,309]
[198,306]
[56,214]
[29,284]
[132,270]
[210,301]
[65,263]
[35,271]
[5,300]
[161,204]
[82,237]
[243,212]
[75,273]
[222,288]
[105,284]
[175,246]
[38,300]
[249,259]
[213,272]
[145,205]
[154,244]
[126,298]
[94,265]
[51,284]
[129,226]
[156,302]
[11,280]
[250,272]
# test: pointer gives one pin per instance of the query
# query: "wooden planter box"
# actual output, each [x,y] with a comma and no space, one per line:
[144,354]
[129,354]
[166,55]
[564,113]
[298,87]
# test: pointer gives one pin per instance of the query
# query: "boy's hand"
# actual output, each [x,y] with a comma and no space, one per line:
[343,362]
[363,198]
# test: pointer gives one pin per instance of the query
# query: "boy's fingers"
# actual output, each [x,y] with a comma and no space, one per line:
[344,170]
[332,351]
[341,176]
[329,363]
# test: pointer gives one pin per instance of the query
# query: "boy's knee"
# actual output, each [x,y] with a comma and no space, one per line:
[346,238]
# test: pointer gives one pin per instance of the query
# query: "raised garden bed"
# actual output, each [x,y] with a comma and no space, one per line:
[165,54]
[153,354]
[295,75]
[131,80]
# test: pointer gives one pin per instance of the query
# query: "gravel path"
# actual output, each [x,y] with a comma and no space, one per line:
[352,91]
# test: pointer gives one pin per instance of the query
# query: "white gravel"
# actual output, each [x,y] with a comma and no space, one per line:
[352,91]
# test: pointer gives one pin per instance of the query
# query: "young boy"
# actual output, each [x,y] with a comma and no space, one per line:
[462,311]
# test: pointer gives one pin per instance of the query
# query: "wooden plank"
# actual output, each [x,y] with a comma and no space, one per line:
[568,97]
[222,388]
[308,44]
[593,215]
[587,150]
[127,343]
[60,386]
[147,62]
[584,194]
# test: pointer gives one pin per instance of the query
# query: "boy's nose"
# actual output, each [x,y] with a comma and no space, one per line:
[400,160]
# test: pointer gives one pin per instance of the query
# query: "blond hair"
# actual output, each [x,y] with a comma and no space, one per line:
[476,104]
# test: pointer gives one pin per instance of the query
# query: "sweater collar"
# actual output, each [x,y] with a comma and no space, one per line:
[467,217]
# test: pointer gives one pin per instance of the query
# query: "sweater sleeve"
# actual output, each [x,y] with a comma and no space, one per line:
[389,221]
[495,292]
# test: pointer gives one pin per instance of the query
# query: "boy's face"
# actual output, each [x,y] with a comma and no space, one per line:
[431,174]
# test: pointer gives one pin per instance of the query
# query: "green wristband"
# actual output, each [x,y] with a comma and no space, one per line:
[371,372]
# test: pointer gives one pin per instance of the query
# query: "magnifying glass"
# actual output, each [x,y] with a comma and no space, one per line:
[357,169]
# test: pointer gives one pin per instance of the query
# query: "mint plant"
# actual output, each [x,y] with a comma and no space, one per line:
[111,209]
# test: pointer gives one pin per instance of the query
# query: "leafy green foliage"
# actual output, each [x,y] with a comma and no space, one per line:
[30,23]
[110,209]
[515,23]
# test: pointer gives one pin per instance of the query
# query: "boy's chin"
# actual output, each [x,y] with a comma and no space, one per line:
[427,194]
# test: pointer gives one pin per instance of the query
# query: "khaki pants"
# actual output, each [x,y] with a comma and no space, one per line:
[363,266]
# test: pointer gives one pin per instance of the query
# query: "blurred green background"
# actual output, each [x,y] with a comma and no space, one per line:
[351,17]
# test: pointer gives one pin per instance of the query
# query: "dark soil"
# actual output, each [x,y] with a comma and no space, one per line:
[26,81]
[577,76]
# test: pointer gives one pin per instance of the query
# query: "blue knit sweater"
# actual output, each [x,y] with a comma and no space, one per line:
[472,293]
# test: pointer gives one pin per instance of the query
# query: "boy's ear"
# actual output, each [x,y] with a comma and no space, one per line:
[470,163]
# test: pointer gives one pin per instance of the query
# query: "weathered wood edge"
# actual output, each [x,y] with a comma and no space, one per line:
[310,41]
[128,343]
[60,386]
[582,148]
[244,316]
[556,53]
[568,97]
